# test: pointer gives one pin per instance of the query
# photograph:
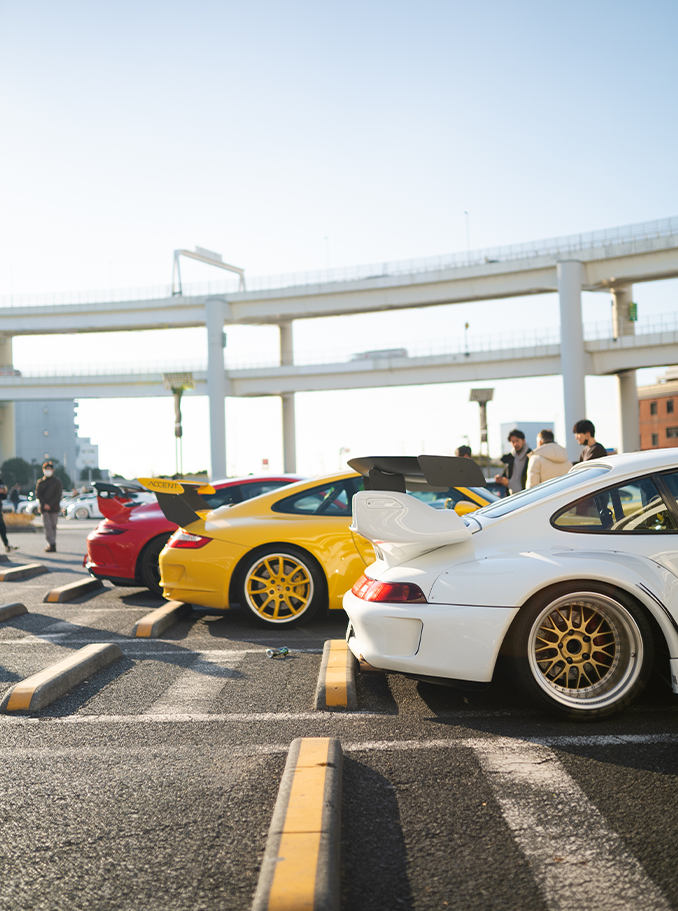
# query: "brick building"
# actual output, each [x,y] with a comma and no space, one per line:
[659,412]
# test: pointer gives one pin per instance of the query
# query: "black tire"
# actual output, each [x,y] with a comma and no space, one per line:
[149,569]
[281,585]
[82,512]
[581,650]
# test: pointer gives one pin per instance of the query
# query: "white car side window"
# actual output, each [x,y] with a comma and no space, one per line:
[635,506]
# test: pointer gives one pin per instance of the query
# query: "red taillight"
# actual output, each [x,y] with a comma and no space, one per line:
[183,539]
[398,592]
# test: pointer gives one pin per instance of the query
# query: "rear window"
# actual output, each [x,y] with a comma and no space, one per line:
[448,499]
[547,489]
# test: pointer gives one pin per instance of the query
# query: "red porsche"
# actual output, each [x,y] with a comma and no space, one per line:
[125,546]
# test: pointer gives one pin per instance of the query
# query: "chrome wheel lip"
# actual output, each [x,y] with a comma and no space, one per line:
[308,580]
[625,670]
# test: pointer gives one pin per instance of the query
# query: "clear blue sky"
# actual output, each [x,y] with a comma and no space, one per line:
[288,135]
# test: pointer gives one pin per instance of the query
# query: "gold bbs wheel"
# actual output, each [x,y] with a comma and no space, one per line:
[586,654]
[282,587]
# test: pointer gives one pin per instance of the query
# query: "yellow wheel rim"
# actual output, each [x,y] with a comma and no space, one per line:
[585,650]
[278,587]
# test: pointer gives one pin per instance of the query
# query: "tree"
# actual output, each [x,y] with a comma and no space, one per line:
[16,471]
[61,473]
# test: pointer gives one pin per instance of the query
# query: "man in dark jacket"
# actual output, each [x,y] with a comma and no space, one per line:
[585,434]
[515,474]
[48,491]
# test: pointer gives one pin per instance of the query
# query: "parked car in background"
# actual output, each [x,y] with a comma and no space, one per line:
[8,506]
[283,556]
[83,507]
[124,548]
[573,580]
[31,506]
[499,490]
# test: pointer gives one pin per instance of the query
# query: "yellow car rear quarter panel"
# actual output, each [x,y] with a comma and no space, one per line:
[199,576]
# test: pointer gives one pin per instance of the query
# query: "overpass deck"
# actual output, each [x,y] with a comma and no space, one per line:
[604,356]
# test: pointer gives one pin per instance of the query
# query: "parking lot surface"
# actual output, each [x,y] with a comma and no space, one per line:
[153,782]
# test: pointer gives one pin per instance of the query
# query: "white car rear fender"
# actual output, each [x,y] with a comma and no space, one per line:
[511,581]
[402,527]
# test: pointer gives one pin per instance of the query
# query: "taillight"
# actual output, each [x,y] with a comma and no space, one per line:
[183,539]
[398,592]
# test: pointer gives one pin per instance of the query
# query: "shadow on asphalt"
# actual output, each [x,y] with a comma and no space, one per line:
[373,857]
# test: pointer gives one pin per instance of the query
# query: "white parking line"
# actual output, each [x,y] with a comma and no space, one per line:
[198,685]
[82,618]
[570,848]
[192,718]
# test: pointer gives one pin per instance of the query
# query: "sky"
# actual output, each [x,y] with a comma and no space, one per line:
[305,135]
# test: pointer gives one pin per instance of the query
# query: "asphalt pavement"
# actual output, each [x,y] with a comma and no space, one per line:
[152,783]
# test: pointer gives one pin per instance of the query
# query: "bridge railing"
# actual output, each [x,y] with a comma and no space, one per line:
[555,246]
[511,344]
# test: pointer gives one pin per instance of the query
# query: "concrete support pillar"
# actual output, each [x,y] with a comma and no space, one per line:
[622,325]
[7,432]
[288,415]
[215,314]
[6,356]
[572,354]
[289,433]
[629,418]
[7,422]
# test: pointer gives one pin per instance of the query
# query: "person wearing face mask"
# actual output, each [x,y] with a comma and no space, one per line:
[585,434]
[48,491]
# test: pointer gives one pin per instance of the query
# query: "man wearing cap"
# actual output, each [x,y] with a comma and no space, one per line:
[48,491]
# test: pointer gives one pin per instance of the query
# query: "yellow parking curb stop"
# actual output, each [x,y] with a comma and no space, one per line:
[300,868]
[336,688]
[39,690]
[7,611]
[73,590]
[26,571]
[154,624]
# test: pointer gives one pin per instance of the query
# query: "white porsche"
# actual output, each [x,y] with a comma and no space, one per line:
[575,581]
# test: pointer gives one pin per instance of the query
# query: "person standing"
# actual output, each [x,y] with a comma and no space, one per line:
[48,491]
[463,452]
[3,529]
[14,497]
[585,434]
[548,460]
[515,474]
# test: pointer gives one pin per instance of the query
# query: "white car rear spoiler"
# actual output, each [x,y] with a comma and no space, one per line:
[402,527]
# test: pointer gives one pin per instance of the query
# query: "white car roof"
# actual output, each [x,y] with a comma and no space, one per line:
[631,462]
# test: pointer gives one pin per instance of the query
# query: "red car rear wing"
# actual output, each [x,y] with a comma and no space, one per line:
[180,501]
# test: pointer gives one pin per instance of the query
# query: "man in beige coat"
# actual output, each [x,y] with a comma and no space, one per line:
[549,460]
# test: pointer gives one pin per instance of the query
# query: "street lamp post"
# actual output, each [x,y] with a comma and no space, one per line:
[177,383]
[482,397]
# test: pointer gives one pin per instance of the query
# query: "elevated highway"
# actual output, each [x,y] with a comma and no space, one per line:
[605,261]
[603,357]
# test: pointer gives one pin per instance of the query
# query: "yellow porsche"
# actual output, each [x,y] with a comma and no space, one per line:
[282,555]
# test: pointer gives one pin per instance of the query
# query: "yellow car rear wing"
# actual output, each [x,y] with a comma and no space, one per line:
[180,501]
